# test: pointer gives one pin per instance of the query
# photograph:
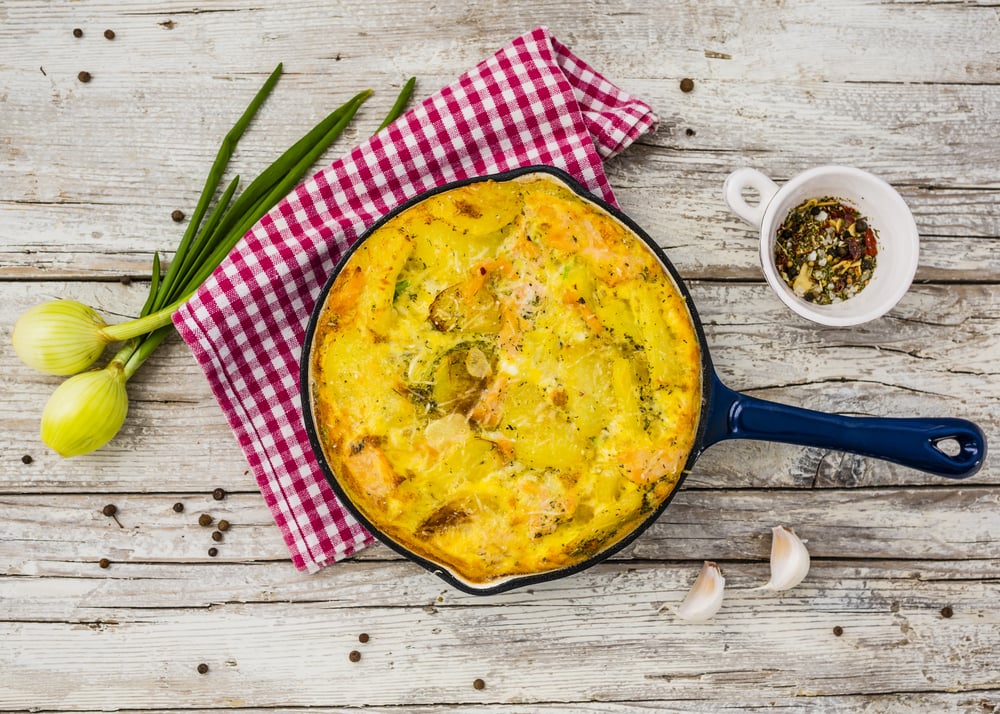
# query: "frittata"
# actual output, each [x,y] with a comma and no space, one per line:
[505,380]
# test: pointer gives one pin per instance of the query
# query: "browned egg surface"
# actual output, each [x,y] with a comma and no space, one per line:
[505,380]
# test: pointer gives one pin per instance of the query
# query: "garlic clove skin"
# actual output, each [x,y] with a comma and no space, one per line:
[59,337]
[789,560]
[705,597]
[86,411]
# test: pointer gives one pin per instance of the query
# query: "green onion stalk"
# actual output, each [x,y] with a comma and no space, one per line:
[66,337]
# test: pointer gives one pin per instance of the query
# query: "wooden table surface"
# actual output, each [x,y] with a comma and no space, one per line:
[900,609]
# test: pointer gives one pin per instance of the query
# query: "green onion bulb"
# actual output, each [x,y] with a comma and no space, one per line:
[65,336]
[59,337]
[86,411]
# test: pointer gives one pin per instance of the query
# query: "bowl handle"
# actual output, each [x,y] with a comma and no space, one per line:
[914,442]
[745,178]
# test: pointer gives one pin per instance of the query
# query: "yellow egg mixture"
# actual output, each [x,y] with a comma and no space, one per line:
[505,380]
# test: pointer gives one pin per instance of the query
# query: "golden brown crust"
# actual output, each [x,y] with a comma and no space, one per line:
[505,379]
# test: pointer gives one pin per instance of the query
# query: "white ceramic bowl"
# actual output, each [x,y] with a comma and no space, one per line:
[882,206]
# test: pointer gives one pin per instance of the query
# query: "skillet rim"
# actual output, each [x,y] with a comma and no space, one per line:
[515,581]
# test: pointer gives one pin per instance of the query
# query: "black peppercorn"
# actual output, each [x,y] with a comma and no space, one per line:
[84,77]
[354,656]
[204,520]
[26,459]
[216,536]
[212,552]
[109,34]
[687,84]
[77,32]
[178,507]
[838,630]
[178,216]
[479,684]
[104,563]
[111,511]
[218,494]
[223,525]
[946,611]
[689,132]
[363,637]
[202,668]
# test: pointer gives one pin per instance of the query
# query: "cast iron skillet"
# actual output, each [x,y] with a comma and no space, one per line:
[725,414]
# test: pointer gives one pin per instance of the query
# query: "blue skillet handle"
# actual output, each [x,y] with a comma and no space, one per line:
[910,442]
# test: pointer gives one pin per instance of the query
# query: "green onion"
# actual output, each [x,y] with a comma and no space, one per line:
[65,337]
[400,105]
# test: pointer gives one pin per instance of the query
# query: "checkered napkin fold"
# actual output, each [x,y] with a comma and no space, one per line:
[533,102]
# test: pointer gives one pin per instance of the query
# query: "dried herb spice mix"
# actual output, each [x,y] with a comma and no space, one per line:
[825,250]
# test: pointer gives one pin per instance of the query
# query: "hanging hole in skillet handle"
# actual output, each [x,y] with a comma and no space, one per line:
[949,446]
[737,184]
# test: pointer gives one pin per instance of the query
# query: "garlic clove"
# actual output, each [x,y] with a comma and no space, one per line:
[705,597]
[789,560]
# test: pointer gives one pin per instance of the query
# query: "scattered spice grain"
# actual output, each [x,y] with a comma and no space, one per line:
[479,684]
[212,552]
[111,511]
[354,656]
[26,459]
[946,611]
[202,668]
[177,216]
[690,132]
[109,34]
[178,507]
[104,563]
[687,84]
[838,630]
[77,32]
[218,494]
[125,280]
[204,520]
[83,77]
[223,525]
[363,637]
[217,536]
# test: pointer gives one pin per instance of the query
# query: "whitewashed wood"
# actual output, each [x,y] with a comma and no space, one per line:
[62,591]
[90,173]
[105,205]
[781,645]
[926,523]
[933,356]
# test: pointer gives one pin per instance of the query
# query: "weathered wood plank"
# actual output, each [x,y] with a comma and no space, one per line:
[924,523]
[65,591]
[979,701]
[895,639]
[79,204]
[932,356]
[756,42]
[906,564]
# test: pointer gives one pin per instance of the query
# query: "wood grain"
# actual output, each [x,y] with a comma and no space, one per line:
[905,564]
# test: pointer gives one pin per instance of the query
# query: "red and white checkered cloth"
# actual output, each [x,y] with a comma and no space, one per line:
[533,102]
